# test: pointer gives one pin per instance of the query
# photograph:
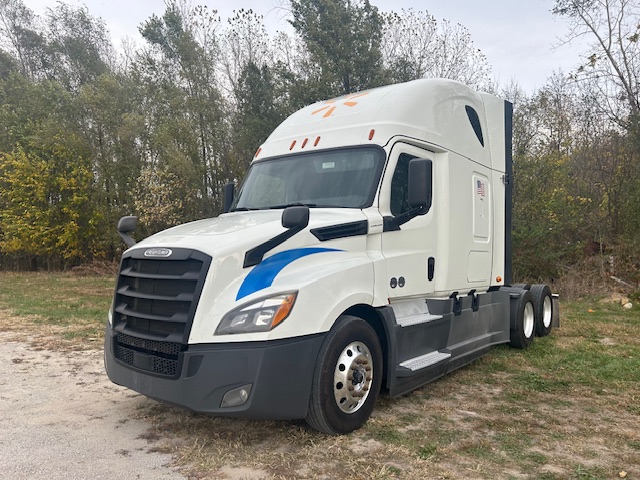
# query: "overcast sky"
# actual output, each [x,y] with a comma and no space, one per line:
[517,36]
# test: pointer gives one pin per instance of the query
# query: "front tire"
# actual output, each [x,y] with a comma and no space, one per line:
[347,377]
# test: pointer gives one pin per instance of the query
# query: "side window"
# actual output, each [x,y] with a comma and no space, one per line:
[400,185]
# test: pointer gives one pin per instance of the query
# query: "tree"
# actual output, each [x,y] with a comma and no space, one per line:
[78,46]
[46,207]
[415,46]
[614,61]
[113,124]
[244,42]
[68,45]
[258,113]
[7,65]
[547,212]
[17,36]
[343,38]
[409,39]
[609,80]
[162,198]
[185,108]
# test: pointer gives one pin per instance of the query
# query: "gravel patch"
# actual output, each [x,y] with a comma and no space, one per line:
[62,418]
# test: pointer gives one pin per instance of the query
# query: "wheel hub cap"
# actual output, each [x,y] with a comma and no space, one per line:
[352,377]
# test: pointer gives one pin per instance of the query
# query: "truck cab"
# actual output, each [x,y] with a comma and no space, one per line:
[368,249]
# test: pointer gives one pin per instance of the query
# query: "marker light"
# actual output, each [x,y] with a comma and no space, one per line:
[260,316]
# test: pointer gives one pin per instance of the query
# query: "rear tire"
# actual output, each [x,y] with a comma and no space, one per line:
[347,377]
[522,321]
[543,308]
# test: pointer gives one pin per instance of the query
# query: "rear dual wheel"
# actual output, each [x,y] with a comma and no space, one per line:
[522,320]
[542,301]
[543,308]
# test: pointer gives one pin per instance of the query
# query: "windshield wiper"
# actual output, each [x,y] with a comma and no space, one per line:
[243,209]
[295,204]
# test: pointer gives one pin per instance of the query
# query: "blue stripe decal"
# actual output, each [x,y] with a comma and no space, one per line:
[265,272]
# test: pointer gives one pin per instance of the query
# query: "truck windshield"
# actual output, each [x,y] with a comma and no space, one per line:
[345,178]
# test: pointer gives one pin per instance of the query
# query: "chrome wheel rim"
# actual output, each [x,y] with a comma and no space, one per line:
[547,312]
[528,320]
[353,377]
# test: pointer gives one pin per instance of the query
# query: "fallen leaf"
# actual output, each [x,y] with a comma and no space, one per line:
[623,474]
[590,310]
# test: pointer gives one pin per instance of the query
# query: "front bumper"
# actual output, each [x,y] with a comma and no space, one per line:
[280,373]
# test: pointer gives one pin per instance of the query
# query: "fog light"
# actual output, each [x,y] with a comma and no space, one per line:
[236,397]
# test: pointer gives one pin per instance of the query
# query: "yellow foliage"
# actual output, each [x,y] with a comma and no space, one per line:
[45,204]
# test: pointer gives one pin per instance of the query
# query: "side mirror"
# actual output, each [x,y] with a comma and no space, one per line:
[126,225]
[229,191]
[420,183]
[295,217]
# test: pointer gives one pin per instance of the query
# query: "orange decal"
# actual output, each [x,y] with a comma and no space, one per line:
[329,112]
[347,101]
[318,111]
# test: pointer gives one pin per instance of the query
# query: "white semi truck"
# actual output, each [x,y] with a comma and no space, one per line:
[368,250]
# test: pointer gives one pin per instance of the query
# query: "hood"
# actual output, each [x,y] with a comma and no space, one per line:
[231,232]
[303,263]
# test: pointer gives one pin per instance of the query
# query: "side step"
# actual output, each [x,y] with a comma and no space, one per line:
[424,361]
[413,312]
[417,319]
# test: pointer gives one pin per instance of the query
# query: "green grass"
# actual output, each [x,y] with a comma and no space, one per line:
[57,298]
[568,392]
[75,307]
[566,408]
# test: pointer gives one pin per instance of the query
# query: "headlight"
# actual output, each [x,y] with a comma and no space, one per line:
[260,316]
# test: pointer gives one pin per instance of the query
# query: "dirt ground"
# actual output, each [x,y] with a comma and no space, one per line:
[63,419]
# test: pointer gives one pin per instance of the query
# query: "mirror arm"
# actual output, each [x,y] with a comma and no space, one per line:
[299,222]
[229,194]
[391,224]
[127,239]
[126,225]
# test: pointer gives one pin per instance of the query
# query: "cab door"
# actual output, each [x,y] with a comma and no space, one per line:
[410,249]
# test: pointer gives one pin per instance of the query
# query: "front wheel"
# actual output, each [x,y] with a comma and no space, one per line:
[347,377]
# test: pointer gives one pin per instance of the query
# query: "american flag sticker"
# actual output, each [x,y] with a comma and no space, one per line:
[480,188]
